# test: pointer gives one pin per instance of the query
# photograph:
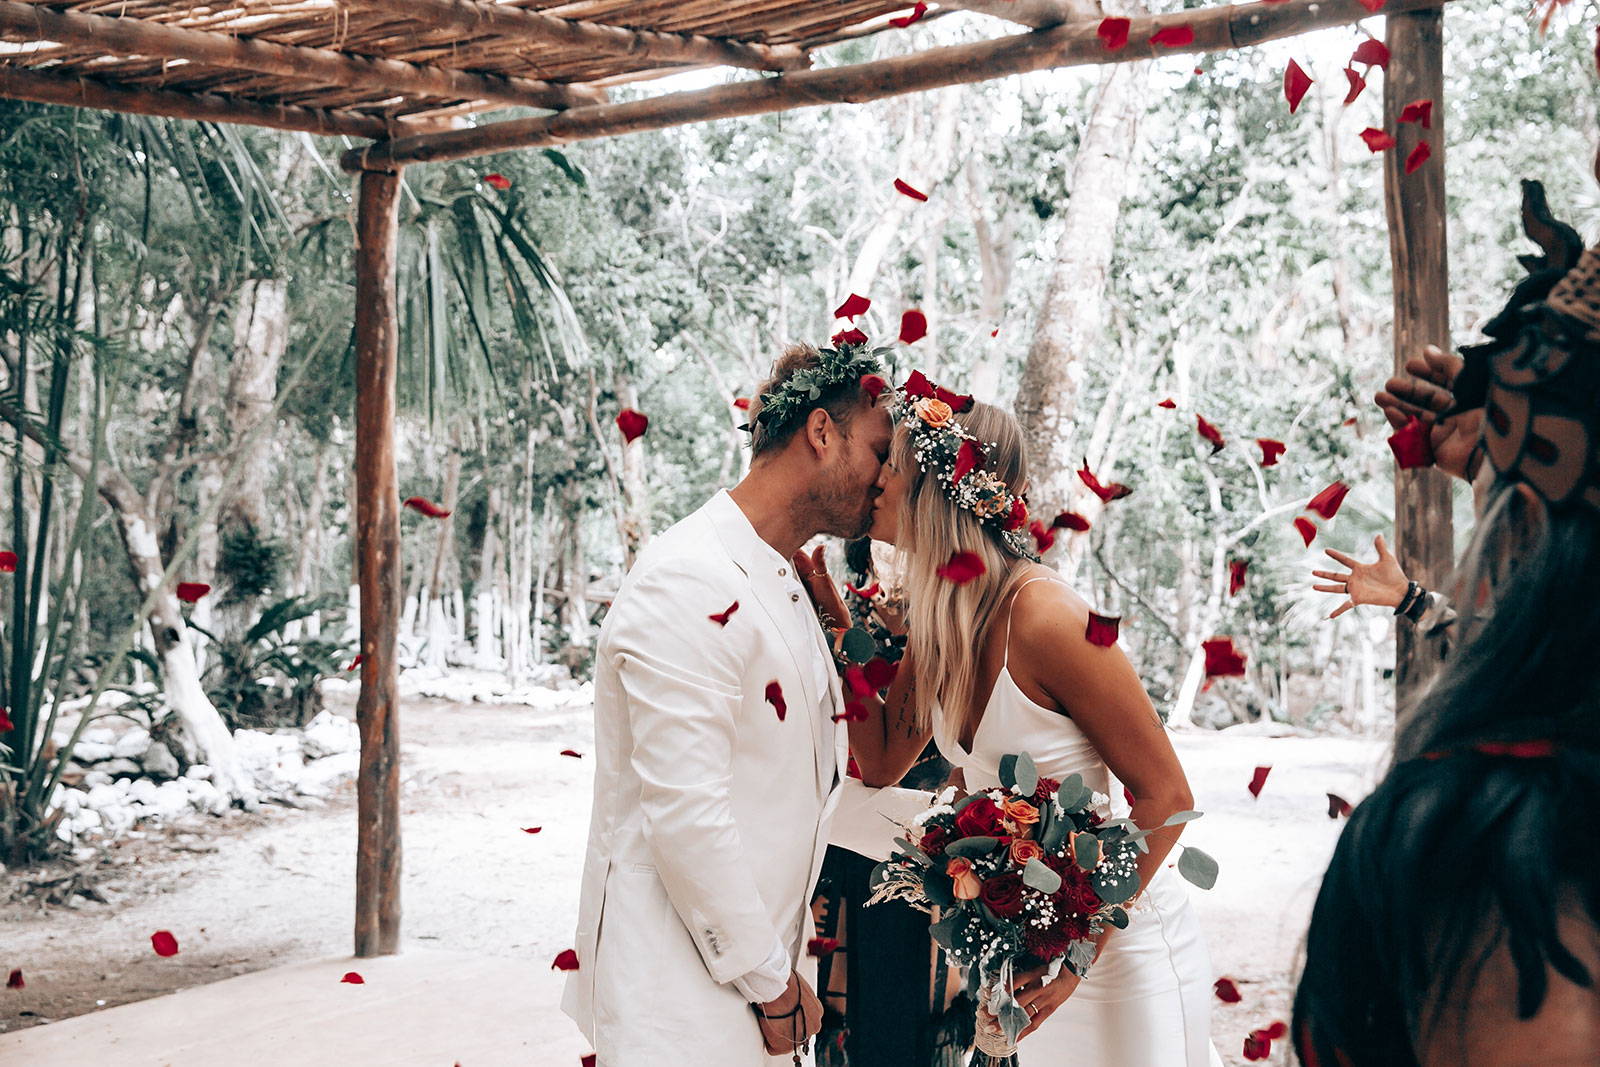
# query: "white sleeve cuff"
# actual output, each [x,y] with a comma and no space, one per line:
[768,981]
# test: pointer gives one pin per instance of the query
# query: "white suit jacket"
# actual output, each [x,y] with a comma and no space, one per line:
[710,814]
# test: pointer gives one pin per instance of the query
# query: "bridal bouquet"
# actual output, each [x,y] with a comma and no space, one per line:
[1025,875]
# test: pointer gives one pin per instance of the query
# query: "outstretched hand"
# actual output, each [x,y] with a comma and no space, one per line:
[1379,582]
[1424,391]
[812,570]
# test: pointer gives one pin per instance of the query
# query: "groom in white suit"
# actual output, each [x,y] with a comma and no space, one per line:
[717,759]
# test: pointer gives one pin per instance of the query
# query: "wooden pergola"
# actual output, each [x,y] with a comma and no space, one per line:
[416,79]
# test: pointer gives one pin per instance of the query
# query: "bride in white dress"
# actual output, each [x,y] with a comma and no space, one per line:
[1001,664]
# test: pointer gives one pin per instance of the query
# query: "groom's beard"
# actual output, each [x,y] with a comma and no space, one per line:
[841,512]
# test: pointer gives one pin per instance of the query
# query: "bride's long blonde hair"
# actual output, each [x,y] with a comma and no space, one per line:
[948,623]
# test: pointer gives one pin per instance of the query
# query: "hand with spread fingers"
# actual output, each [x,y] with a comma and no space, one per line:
[1039,998]
[1424,391]
[812,570]
[1379,582]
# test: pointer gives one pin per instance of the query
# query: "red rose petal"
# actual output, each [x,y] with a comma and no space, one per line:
[1295,83]
[8,562]
[587,1059]
[1337,806]
[1226,991]
[907,190]
[1276,1031]
[632,423]
[854,305]
[352,978]
[573,754]
[1539,748]
[1114,32]
[856,678]
[1377,140]
[913,327]
[873,385]
[854,711]
[962,567]
[499,181]
[1327,502]
[361,657]
[1044,538]
[905,20]
[917,385]
[532,829]
[1222,659]
[1419,155]
[164,943]
[1357,83]
[1371,53]
[995,332]
[1168,403]
[1173,36]
[14,979]
[1418,111]
[1256,1047]
[822,946]
[969,457]
[868,593]
[852,769]
[1270,451]
[1258,780]
[189,592]
[880,672]
[1018,516]
[6,725]
[1102,629]
[1127,794]
[1236,569]
[742,403]
[1070,520]
[566,960]
[775,698]
[1106,493]
[1373,6]
[1210,433]
[1306,529]
[1412,445]
[851,336]
[721,618]
[958,402]
[425,506]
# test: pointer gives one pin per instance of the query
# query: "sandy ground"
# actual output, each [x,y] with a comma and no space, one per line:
[257,890]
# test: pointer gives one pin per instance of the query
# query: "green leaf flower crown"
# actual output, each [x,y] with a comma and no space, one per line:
[955,455]
[848,362]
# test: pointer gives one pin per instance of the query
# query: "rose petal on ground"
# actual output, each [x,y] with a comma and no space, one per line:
[1306,529]
[851,336]
[908,190]
[1419,155]
[1258,779]
[1337,806]
[352,978]
[1222,659]
[1070,520]
[1357,83]
[905,20]
[873,385]
[532,829]
[1412,445]
[1173,36]
[566,960]
[1420,111]
[632,423]
[1102,629]
[913,326]
[189,592]
[1377,140]
[1044,538]
[1270,451]
[14,979]
[721,618]
[1371,53]
[969,457]
[1236,569]
[425,506]
[775,698]
[572,753]
[854,305]
[1327,502]
[1226,991]
[164,943]
[1168,403]
[1114,33]
[1210,433]
[961,568]
[1295,83]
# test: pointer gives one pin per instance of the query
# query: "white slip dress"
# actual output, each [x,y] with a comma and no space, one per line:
[1147,1000]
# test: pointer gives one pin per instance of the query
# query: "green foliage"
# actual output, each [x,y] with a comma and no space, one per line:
[248,563]
[266,677]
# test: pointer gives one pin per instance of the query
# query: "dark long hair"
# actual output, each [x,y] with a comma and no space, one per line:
[1483,830]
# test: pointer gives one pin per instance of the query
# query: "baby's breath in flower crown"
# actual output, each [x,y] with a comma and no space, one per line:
[848,361]
[955,456]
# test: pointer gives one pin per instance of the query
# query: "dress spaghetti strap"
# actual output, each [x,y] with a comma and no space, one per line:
[1012,607]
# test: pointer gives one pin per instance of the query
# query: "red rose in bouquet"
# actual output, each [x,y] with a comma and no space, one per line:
[934,839]
[981,818]
[1048,787]
[1003,895]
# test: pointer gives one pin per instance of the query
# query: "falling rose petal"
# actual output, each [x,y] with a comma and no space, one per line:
[1210,433]
[913,327]
[1256,1047]
[905,20]
[880,672]
[1236,569]
[573,754]
[566,960]
[1295,83]
[632,423]
[1044,538]
[1127,794]
[917,385]
[1222,659]
[1371,53]
[853,306]
[1070,520]
[848,337]
[1420,111]
[14,979]
[1168,403]
[1019,515]
[1226,991]
[907,190]
[1327,502]
[1377,140]
[995,332]
[587,1059]
[1202,70]
[352,978]
[873,385]
[8,562]
[499,181]
[1537,748]
[532,829]
[1102,629]
[721,618]
[361,657]
[854,711]
[1412,445]
[189,592]
[1419,155]
[852,769]
[1357,83]
[969,457]
[742,403]
[958,402]
[855,676]
[1173,36]
[1114,33]
[1258,779]
[822,946]
[1337,806]
[425,506]
[962,567]
[164,943]
[1351,421]
[1307,529]
[1597,48]
[1373,6]
[1106,493]
[1270,451]
[6,725]
[1275,1032]
[868,593]
[775,698]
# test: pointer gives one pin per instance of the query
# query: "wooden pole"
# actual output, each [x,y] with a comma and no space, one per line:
[126,36]
[1216,29]
[1424,533]
[378,548]
[19,84]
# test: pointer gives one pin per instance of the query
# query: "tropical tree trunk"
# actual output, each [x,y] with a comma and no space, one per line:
[439,634]
[488,605]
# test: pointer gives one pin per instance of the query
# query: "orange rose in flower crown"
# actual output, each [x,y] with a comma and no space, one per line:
[933,411]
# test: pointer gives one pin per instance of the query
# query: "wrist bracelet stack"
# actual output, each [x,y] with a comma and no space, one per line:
[1414,603]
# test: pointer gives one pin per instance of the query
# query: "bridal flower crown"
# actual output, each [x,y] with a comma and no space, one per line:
[955,456]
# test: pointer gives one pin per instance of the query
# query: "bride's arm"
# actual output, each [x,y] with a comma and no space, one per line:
[887,743]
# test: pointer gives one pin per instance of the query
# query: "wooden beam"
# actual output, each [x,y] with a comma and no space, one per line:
[1215,29]
[1418,252]
[125,36]
[20,84]
[470,16]
[377,927]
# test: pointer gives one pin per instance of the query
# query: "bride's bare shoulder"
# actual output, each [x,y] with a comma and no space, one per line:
[1044,613]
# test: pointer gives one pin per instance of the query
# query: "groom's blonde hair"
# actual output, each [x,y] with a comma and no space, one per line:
[949,623]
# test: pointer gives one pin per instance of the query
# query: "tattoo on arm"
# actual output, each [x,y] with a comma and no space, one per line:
[905,718]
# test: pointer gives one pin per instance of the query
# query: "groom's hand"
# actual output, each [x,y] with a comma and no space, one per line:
[792,1019]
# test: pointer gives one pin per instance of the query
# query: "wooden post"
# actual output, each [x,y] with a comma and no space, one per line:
[378,568]
[1424,535]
